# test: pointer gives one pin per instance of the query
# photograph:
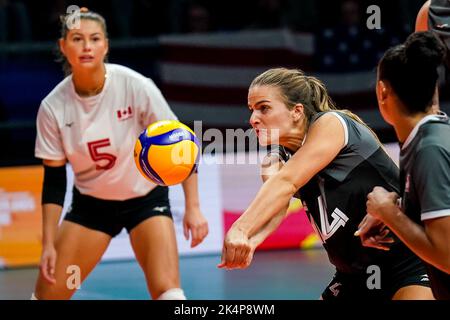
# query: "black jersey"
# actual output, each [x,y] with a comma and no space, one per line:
[335,199]
[425,182]
[439,22]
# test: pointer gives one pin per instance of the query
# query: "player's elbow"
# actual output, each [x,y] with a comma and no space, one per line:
[288,184]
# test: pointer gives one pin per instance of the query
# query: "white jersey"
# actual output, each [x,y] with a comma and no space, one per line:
[97,134]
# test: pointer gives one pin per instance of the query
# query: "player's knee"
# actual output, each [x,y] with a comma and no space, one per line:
[172,294]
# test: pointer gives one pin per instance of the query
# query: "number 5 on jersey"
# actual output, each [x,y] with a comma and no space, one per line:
[96,155]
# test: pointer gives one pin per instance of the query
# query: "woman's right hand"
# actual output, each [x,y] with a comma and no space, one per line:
[48,263]
[237,250]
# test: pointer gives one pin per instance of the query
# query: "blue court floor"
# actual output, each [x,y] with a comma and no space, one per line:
[281,274]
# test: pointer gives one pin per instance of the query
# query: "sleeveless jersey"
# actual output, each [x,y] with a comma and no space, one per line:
[335,198]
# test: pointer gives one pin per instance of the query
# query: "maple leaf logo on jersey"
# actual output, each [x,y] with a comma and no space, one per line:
[125,113]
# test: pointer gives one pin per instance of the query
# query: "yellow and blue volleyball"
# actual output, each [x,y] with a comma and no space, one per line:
[167,152]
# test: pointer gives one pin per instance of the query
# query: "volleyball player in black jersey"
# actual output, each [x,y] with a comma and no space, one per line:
[407,78]
[336,161]
[434,16]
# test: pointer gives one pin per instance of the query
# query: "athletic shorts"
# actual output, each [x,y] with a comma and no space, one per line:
[401,272]
[111,216]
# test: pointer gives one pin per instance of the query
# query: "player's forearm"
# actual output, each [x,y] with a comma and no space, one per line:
[270,200]
[190,189]
[416,238]
[51,214]
[268,228]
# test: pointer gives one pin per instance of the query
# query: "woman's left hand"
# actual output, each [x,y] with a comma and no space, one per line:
[195,222]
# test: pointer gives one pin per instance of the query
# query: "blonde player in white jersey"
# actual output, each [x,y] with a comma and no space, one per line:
[91,120]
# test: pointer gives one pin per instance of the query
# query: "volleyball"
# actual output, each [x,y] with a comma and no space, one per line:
[167,152]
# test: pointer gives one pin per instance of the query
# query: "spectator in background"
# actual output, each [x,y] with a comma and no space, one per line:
[350,45]
[196,17]
[350,14]
[269,14]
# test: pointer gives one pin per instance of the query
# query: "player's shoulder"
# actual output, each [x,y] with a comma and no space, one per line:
[334,119]
[59,93]
[329,117]
[123,73]
[435,133]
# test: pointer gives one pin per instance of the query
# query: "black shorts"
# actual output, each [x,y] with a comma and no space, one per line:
[405,270]
[111,216]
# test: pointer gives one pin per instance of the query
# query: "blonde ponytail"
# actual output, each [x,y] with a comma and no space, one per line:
[296,87]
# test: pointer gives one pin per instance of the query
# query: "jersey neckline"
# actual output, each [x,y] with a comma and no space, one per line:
[442,115]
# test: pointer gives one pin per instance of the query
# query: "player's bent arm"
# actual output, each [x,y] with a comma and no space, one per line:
[325,140]
[53,191]
[190,190]
[430,243]
[438,231]
[268,228]
[270,166]
[422,17]
[51,214]
[193,221]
